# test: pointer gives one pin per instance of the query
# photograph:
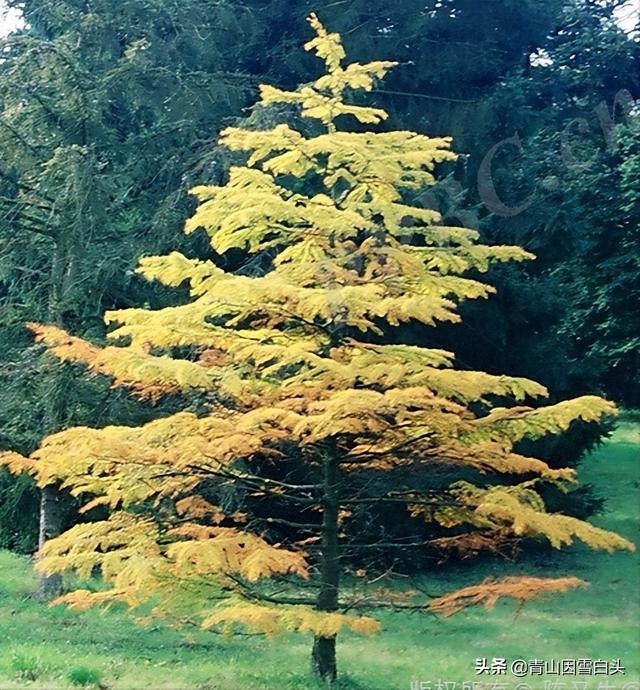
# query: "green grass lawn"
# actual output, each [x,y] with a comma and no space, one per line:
[43,647]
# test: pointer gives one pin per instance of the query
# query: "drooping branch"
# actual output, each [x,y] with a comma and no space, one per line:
[522,589]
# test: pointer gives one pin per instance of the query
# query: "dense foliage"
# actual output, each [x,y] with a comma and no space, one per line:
[303,400]
[108,113]
[104,109]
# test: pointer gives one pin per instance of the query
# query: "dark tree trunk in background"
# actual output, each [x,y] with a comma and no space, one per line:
[323,656]
[49,586]
[63,275]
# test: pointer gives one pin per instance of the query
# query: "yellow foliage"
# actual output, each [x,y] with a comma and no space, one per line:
[272,363]
[149,375]
[520,511]
[229,551]
[523,422]
[271,620]
[522,589]
[524,514]
[16,463]
[197,507]
[327,46]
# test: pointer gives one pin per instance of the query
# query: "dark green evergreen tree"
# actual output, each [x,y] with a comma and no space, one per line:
[105,112]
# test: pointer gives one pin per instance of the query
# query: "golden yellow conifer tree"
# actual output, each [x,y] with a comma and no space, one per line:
[296,374]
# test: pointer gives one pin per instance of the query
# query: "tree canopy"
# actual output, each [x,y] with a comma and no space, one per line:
[302,402]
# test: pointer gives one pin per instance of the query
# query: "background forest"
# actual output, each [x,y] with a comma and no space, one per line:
[110,112]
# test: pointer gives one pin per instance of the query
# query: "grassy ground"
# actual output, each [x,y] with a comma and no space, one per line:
[44,647]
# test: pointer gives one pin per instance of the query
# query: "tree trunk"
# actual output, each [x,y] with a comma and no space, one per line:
[49,586]
[323,656]
[324,659]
